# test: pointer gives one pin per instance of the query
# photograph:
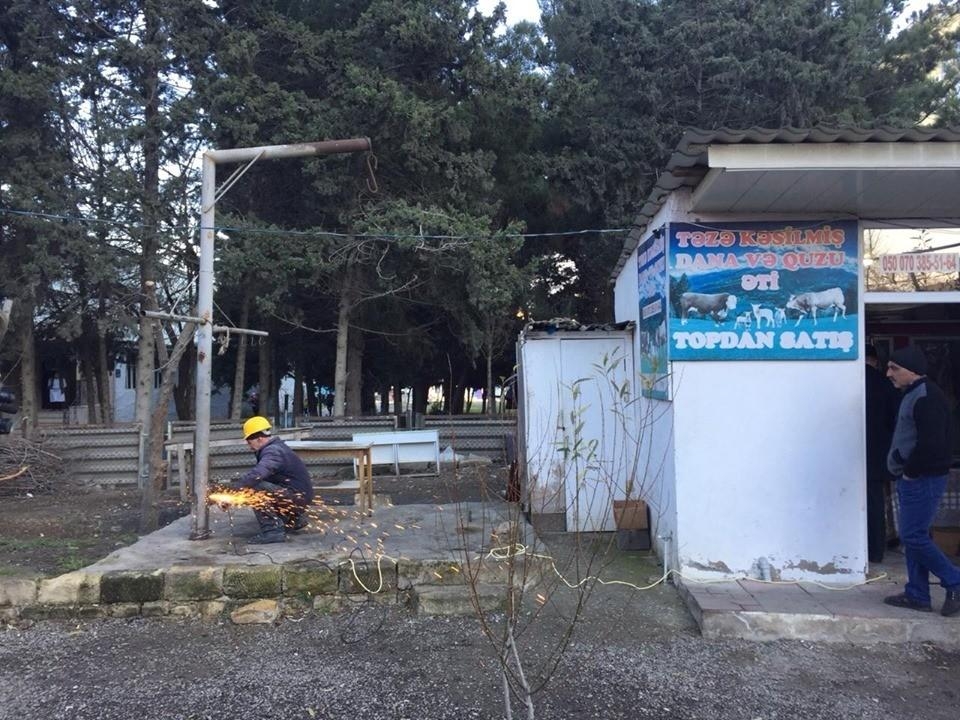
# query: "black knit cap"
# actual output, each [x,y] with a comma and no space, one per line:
[910,358]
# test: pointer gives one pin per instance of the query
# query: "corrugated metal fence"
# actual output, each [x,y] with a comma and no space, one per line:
[110,456]
[96,455]
[472,434]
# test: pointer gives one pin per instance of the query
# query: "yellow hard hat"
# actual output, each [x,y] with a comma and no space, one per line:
[256,424]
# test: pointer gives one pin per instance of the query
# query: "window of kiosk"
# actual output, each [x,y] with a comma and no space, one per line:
[911,259]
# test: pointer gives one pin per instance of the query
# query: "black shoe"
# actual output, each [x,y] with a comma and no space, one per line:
[267,538]
[296,524]
[903,601]
[301,523]
[951,606]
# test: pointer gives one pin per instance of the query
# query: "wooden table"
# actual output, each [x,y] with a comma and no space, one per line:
[359,452]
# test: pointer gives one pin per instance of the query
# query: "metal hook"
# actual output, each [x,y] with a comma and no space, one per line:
[371,173]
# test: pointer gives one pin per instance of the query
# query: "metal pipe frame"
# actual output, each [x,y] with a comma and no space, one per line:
[200,513]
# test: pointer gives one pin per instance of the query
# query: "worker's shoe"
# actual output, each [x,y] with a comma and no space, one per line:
[299,524]
[905,601]
[951,606]
[267,538]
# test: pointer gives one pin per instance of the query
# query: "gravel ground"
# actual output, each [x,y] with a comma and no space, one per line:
[633,655]
[385,663]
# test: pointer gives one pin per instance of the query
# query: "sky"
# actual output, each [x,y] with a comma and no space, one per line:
[518,10]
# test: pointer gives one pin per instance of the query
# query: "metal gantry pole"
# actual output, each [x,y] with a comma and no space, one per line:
[200,527]
[200,515]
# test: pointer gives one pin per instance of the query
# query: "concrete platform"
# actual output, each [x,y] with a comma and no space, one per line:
[755,610]
[393,556]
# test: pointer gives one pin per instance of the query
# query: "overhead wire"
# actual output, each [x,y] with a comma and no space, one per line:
[315,233]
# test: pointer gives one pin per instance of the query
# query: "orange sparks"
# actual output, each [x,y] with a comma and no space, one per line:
[233,498]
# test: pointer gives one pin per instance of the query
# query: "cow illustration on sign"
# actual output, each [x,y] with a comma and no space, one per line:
[716,305]
[810,302]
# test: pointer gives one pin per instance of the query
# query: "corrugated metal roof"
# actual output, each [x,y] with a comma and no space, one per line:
[688,164]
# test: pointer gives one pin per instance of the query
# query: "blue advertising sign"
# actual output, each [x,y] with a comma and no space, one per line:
[763,291]
[652,325]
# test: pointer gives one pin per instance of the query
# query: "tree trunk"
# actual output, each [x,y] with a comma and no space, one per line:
[6,306]
[297,393]
[313,403]
[151,491]
[29,399]
[264,392]
[184,392]
[236,404]
[148,87]
[420,389]
[490,395]
[89,386]
[344,313]
[384,408]
[104,380]
[354,397]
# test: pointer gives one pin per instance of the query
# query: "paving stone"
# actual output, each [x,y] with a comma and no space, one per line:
[309,580]
[135,587]
[154,609]
[211,609]
[74,588]
[260,612]
[123,610]
[252,581]
[440,600]
[17,591]
[193,583]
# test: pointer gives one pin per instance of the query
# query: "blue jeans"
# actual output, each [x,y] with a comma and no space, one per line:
[919,501]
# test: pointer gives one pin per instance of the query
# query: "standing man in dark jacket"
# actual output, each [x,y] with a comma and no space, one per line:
[280,480]
[920,455]
[882,401]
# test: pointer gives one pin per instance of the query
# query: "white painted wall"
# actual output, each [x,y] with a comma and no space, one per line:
[580,430]
[760,459]
[655,467]
[542,410]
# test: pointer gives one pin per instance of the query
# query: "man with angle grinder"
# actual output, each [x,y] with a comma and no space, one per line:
[278,488]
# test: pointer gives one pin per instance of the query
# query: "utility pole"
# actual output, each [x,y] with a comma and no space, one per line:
[200,526]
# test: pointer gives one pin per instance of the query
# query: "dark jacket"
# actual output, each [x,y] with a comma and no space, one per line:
[923,439]
[882,402]
[278,464]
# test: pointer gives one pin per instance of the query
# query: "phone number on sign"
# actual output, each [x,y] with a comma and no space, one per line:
[920,262]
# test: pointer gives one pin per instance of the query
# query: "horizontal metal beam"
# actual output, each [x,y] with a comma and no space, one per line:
[270,152]
[201,321]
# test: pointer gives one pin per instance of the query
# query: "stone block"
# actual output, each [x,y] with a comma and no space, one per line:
[49,612]
[211,609]
[438,600]
[252,581]
[73,588]
[154,609]
[193,583]
[430,572]
[92,612]
[296,607]
[328,604]
[183,610]
[123,610]
[368,577]
[309,580]
[260,612]
[131,587]
[17,591]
